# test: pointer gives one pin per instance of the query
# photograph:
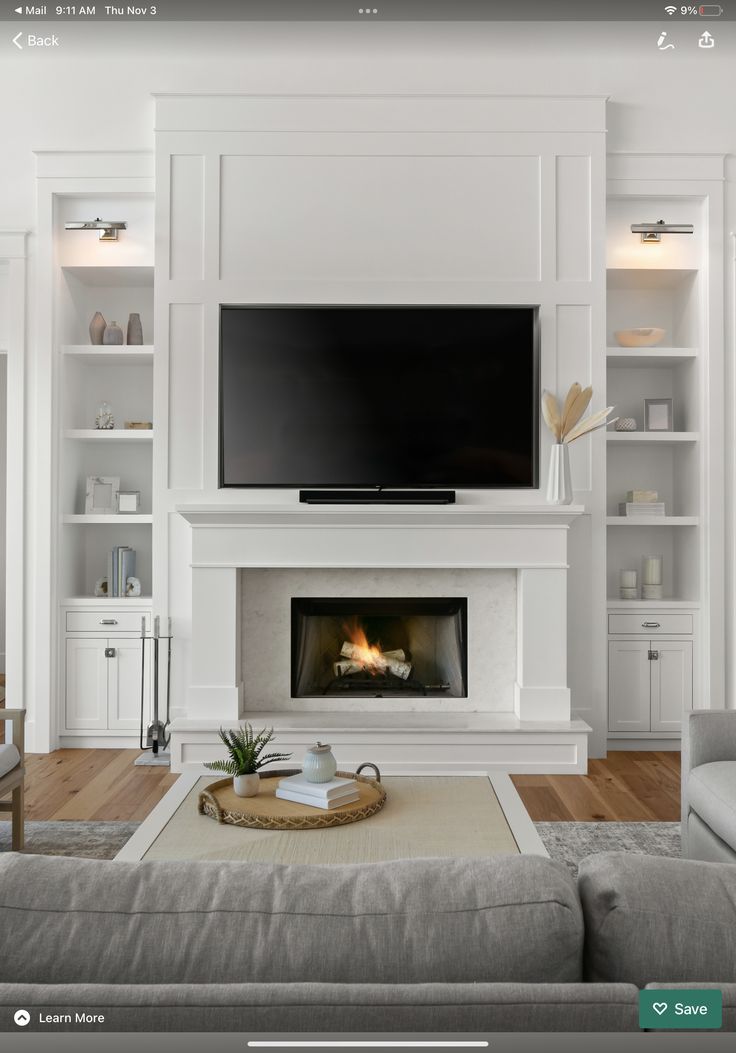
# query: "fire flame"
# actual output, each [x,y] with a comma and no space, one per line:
[366,654]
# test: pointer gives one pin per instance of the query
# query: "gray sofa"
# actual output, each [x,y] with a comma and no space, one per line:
[709,785]
[504,944]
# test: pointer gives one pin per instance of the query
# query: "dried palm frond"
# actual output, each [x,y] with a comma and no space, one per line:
[551,414]
[592,423]
[577,409]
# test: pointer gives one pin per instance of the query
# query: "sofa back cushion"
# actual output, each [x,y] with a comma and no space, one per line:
[513,918]
[654,920]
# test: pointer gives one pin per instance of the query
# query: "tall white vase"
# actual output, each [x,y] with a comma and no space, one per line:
[559,484]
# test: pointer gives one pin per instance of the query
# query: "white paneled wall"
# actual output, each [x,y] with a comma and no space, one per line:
[378,199]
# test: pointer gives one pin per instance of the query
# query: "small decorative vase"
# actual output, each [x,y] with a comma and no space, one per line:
[319,764]
[97,328]
[135,330]
[113,334]
[246,785]
[104,420]
[625,424]
[559,484]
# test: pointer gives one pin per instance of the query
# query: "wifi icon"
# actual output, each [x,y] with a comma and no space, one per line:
[670,10]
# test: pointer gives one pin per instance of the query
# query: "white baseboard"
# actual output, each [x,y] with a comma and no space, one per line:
[660,745]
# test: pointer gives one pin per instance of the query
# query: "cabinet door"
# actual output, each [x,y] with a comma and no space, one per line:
[124,686]
[672,683]
[86,685]
[628,685]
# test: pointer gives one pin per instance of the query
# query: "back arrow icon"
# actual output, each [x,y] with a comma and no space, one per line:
[15,41]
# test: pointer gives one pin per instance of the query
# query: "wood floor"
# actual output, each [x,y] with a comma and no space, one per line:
[104,784]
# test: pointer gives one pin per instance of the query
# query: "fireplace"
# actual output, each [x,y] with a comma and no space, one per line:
[379,648]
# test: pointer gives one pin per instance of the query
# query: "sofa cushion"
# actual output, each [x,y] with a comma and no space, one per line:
[711,791]
[9,758]
[653,920]
[509,918]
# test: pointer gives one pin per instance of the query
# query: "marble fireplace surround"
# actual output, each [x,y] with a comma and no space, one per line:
[531,541]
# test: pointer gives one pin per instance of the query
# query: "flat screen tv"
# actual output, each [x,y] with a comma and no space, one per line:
[379,396]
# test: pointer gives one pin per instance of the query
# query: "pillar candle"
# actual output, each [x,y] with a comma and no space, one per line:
[652,570]
[627,579]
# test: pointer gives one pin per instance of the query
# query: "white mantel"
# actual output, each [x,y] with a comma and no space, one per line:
[532,540]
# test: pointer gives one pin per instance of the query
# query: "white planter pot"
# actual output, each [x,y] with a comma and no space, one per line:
[246,785]
[559,484]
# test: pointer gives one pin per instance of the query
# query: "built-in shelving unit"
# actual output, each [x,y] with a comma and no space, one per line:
[660,438]
[636,522]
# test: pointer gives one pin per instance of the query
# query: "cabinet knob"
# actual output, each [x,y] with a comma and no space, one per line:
[108,621]
[650,625]
[109,652]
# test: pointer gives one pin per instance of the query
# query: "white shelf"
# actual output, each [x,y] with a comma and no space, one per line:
[127,277]
[119,355]
[105,601]
[664,438]
[646,278]
[111,435]
[105,520]
[652,521]
[657,605]
[648,357]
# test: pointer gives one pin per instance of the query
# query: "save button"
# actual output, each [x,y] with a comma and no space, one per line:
[680,1008]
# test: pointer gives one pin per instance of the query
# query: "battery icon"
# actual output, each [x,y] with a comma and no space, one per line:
[710,10]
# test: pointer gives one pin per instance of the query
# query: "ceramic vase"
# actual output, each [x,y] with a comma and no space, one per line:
[97,328]
[319,764]
[113,334]
[246,785]
[559,483]
[135,330]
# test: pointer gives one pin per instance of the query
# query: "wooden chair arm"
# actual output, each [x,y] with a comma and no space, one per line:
[17,718]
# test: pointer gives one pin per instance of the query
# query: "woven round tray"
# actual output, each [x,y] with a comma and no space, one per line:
[268,812]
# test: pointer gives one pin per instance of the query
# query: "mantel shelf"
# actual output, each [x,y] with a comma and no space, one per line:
[109,435]
[133,519]
[662,437]
[652,521]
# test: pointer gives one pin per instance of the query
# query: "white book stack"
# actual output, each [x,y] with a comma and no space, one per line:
[642,503]
[332,794]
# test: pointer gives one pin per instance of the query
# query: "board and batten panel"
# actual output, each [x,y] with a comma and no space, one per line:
[380,217]
[573,218]
[574,362]
[186,385]
[186,232]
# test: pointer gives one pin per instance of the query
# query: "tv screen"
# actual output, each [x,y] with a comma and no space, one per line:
[378,396]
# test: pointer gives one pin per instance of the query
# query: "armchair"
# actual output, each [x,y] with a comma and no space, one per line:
[709,785]
[12,774]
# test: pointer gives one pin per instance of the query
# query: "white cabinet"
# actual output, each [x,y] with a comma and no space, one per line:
[102,672]
[650,684]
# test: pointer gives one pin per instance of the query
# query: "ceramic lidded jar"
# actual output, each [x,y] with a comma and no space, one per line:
[319,764]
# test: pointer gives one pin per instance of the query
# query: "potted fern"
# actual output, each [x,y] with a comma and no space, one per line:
[246,757]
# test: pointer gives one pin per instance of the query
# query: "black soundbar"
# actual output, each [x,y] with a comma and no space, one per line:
[377,497]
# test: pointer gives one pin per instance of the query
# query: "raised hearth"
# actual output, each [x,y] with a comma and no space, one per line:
[538,735]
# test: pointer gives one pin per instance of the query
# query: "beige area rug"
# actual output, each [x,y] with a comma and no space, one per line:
[422,817]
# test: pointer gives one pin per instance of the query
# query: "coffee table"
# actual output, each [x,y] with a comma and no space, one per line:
[444,815]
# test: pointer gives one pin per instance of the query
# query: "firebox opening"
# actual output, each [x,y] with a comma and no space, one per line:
[379,648]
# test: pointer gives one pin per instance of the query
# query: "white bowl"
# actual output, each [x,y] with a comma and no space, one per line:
[639,337]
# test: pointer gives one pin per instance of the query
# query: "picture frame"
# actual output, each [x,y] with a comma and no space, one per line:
[102,495]
[129,502]
[658,415]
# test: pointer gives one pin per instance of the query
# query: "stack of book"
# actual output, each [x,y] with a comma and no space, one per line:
[330,794]
[642,503]
[120,567]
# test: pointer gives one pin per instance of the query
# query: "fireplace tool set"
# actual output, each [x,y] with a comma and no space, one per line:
[154,740]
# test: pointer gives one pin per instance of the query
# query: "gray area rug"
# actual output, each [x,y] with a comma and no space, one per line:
[571,842]
[90,840]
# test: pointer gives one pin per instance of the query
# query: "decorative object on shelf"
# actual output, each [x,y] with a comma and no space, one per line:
[120,569]
[641,509]
[104,420]
[245,748]
[642,495]
[101,495]
[113,335]
[139,425]
[97,329]
[319,764]
[658,415]
[129,501]
[132,587]
[626,424]
[647,336]
[566,426]
[101,587]
[652,578]
[135,330]
[628,585]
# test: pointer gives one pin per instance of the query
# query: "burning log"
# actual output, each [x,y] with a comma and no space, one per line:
[374,660]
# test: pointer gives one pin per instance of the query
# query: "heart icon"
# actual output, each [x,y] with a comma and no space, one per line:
[659,1008]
